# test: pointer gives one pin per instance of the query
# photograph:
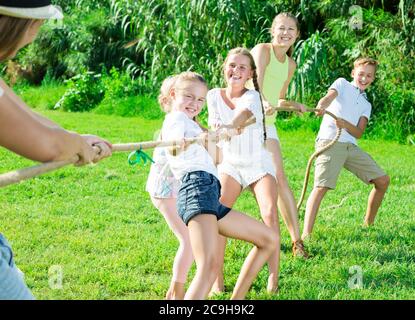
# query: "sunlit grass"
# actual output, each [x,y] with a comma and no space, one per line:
[97,224]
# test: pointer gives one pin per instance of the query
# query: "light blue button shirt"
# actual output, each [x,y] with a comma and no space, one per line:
[350,104]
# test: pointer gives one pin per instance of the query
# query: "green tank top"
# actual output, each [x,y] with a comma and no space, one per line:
[276,73]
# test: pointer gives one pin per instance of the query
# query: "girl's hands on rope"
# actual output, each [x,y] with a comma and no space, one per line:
[282,103]
[301,108]
[227,131]
[269,109]
[175,150]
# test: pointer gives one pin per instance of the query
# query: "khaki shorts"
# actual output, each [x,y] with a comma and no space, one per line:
[343,154]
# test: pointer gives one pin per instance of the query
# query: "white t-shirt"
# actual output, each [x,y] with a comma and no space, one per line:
[350,104]
[176,126]
[249,143]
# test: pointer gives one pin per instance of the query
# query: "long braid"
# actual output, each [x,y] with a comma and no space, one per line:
[255,81]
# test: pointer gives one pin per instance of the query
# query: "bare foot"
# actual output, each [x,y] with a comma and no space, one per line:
[176,291]
[272,286]
[306,237]
[216,290]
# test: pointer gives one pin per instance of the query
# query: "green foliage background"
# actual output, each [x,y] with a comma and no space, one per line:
[149,40]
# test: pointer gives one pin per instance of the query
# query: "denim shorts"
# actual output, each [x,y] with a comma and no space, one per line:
[12,285]
[199,194]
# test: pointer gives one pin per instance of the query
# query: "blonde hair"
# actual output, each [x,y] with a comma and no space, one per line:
[182,77]
[364,61]
[188,76]
[285,15]
[245,52]
[164,96]
[12,31]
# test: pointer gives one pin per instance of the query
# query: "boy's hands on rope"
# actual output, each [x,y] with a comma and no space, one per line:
[325,102]
[322,105]
[355,131]
[341,123]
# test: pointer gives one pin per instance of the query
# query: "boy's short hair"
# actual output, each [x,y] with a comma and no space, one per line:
[365,61]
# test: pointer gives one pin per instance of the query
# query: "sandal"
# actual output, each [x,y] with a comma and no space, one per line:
[299,250]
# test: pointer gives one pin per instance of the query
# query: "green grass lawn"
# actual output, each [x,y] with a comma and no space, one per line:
[98,226]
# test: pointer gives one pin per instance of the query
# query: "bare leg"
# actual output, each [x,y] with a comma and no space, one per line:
[219,286]
[265,191]
[375,198]
[286,201]
[184,256]
[203,231]
[313,204]
[240,226]
[230,191]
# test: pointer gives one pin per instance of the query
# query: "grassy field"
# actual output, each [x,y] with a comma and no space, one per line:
[97,225]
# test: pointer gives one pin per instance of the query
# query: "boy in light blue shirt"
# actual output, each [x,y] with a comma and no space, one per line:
[348,101]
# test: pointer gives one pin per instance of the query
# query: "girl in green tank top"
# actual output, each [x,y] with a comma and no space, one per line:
[275,69]
[275,75]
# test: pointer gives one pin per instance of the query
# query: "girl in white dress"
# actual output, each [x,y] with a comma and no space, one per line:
[246,162]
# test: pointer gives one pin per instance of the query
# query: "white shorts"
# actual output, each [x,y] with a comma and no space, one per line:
[272,132]
[248,171]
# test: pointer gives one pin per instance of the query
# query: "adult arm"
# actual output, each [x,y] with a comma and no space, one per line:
[23,133]
[23,113]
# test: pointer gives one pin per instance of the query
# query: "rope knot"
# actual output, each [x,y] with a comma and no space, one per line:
[138,156]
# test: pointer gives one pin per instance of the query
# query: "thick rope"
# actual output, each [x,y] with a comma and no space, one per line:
[310,162]
[30,172]
[314,156]
[17,176]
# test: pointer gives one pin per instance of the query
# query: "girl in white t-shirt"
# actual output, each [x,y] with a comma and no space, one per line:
[246,162]
[198,198]
[162,187]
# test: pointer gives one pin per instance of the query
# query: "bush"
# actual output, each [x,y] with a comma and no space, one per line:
[150,40]
[43,97]
[84,92]
[88,39]
[133,106]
